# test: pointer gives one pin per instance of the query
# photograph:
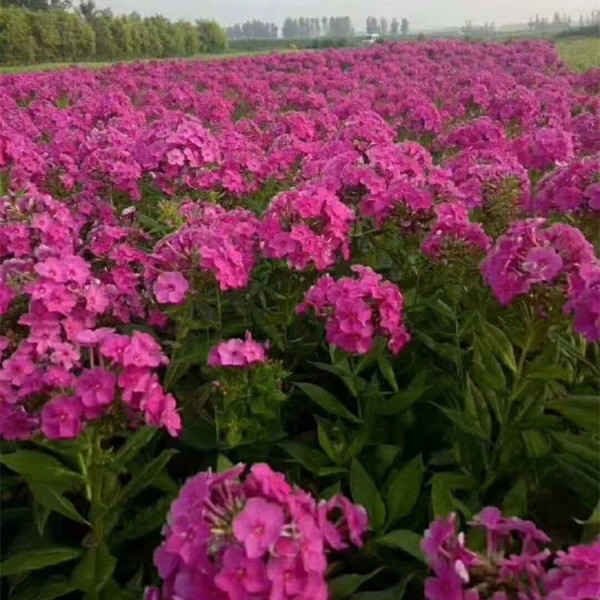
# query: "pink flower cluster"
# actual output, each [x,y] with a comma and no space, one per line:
[516,563]
[453,230]
[214,240]
[238,353]
[63,362]
[532,256]
[309,226]
[248,535]
[572,190]
[358,309]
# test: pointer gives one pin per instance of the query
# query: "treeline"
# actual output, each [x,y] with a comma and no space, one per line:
[382,27]
[560,23]
[253,30]
[317,27]
[42,31]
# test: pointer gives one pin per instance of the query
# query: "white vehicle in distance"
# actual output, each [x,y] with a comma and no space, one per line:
[372,39]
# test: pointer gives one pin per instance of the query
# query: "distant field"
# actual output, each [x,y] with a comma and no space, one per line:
[99,65]
[580,55]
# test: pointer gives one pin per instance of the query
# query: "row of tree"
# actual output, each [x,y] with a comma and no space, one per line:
[561,22]
[382,27]
[253,30]
[314,27]
[43,31]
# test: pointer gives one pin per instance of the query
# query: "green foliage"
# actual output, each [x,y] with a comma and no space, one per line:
[94,488]
[28,36]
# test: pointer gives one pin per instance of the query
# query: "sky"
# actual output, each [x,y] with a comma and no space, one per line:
[422,14]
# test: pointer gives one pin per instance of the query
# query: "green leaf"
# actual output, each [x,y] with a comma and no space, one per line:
[327,401]
[40,516]
[388,372]
[325,443]
[549,373]
[404,489]
[402,400]
[464,422]
[33,559]
[393,593]
[53,499]
[223,464]
[310,458]
[343,586]
[497,341]
[584,411]
[486,369]
[95,569]
[143,479]
[133,446]
[403,539]
[592,526]
[515,502]
[364,492]
[145,520]
[40,467]
[47,588]
[442,501]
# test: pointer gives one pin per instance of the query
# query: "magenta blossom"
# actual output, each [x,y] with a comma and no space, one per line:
[170,288]
[238,353]
[62,418]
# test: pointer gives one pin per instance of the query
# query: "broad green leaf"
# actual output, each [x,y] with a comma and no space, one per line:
[223,464]
[145,520]
[403,539]
[353,383]
[327,401]
[477,407]
[199,434]
[40,516]
[326,443]
[592,526]
[365,493]
[95,569]
[536,443]
[549,373]
[400,401]
[464,422]
[404,489]
[53,499]
[133,446]
[442,501]
[343,586]
[310,458]
[497,341]
[40,467]
[33,559]
[584,411]
[388,372]
[143,479]
[486,369]
[515,502]
[393,593]
[47,588]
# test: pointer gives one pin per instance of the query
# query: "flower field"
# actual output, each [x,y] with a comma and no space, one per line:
[307,326]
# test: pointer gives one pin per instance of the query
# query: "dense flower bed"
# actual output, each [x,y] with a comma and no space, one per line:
[409,232]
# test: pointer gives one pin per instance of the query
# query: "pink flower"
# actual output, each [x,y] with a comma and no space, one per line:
[62,418]
[170,288]
[579,570]
[258,526]
[143,351]
[96,387]
[241,576]
[238,353]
